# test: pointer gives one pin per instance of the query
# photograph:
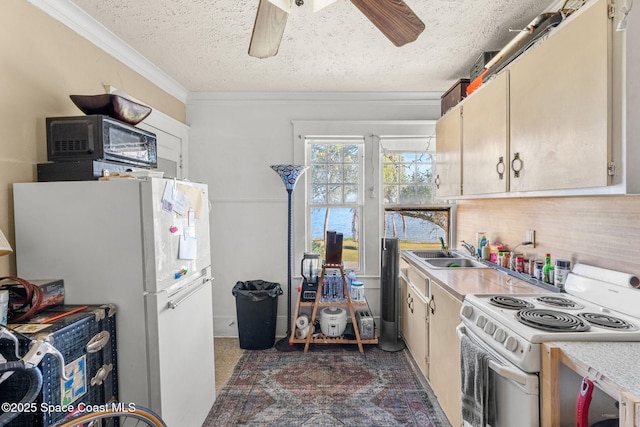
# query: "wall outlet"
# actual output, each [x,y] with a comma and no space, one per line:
[531,237]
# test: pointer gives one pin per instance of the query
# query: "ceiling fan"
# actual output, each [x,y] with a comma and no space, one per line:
[392,17]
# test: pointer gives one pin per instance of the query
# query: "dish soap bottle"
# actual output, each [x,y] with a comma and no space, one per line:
[547,270]
[485,254]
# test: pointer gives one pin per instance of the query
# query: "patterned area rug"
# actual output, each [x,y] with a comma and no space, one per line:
[327,386]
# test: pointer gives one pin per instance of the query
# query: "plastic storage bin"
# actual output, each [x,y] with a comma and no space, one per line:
[256,310]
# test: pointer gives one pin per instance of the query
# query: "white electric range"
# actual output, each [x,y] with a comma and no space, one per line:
[511,328]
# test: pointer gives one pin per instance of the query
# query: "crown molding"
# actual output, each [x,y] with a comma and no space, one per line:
[397,98]
[69,14]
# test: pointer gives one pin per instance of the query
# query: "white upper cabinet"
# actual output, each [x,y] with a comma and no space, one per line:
[485,159]
[553,121]
[448,154]
[560,107]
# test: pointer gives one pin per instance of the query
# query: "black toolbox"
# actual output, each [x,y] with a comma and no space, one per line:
[86,337]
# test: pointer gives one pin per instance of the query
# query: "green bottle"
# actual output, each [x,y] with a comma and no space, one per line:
[547,270]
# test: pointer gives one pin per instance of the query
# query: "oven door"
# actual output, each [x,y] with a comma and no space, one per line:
[514,392]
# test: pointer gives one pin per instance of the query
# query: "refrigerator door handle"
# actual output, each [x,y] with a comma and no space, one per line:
[174,303]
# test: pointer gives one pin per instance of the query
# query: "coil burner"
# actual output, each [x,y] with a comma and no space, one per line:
[554,301]
[607,321]
[551,320]
[510,303]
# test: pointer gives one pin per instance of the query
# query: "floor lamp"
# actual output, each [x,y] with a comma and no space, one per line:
[289,175]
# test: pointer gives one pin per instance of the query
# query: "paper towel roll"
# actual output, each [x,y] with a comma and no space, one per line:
[302,321]
[605,275]
[302,333]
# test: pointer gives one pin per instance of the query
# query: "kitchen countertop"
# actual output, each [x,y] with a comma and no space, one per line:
[463,281]
[616,363]
[614,367]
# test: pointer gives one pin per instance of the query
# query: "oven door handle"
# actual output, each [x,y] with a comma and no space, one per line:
[510,373]
[504,371]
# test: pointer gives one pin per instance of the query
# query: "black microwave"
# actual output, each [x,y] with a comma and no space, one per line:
[99,137]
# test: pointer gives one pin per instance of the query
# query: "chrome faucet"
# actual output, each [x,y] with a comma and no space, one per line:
[470,248]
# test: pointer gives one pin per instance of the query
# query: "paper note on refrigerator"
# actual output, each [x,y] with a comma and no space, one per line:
[188,248]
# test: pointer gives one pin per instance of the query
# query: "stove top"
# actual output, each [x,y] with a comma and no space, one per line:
[541,317]
[515,325]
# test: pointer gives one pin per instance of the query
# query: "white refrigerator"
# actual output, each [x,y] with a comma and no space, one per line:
[143,245]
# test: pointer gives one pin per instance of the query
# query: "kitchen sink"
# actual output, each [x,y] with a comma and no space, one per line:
[453,263]
[426,254]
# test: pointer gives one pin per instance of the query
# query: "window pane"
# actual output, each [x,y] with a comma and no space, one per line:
[390,173]
[334,153]
[417,228]
[350,153]
[350,194]
[423,173]
[319,194]
[319,174]
[412,176]
[318,153]
[407,194]
[351,174]
[341,220]
[390,194]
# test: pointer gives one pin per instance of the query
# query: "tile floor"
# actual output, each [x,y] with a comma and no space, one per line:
[227,352]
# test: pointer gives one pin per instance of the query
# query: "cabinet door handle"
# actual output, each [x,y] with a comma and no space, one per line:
[432,304]
[437,181]
[410,304]
[500,168]
[516,165]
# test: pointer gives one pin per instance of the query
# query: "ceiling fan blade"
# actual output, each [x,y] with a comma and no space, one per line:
[267,30]
[394,18]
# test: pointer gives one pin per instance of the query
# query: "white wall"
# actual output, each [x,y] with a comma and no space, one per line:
[234,137]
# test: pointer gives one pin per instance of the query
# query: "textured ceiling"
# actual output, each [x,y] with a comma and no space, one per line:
[203,44]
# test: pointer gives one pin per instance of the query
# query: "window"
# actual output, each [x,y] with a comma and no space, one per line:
[344,189]
[411,213]
[335,195]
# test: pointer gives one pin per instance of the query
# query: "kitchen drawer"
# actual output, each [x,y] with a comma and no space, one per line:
[87,341]
[420,281]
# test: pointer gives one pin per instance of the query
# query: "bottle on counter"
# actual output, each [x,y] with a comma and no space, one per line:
[520,263]
[485,254]
[537,269]
[547,270]
[563,267]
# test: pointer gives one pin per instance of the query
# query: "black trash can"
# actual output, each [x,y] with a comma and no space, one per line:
[257,310]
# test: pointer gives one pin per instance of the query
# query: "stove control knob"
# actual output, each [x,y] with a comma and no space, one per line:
[499,335]
[511,344]
[489,328]
[481,321]
[467,311]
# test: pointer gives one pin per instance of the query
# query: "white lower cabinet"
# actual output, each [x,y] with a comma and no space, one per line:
[414,322]
[444,317]
[428,322]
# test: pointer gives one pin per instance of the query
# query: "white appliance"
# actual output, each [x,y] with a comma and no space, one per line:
[143,245]
[511,328]
[333,321]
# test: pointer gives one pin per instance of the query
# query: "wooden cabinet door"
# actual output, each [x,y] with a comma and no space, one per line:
[414,322]
[448,154]
[444,352]
[485,157]
[560,101]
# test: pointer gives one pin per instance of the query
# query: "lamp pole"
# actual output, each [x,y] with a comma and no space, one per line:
[289,175]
